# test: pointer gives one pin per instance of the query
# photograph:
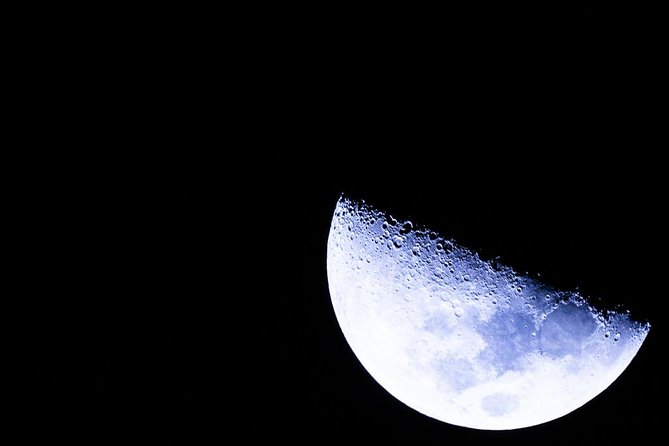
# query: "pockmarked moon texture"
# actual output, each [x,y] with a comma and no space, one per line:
[463,340]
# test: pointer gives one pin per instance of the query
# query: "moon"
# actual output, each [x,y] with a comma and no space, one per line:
[462,340]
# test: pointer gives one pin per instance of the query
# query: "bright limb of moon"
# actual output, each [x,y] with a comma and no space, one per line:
[464,340]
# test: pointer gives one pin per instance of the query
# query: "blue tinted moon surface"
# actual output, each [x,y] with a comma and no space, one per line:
[463,340]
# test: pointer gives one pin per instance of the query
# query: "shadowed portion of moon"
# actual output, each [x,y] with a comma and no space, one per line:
[463,340]
[564,332]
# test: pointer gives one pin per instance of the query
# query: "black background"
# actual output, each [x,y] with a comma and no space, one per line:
[523,133]
[183,294]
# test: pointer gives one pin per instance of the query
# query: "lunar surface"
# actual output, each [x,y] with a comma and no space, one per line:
[463,340]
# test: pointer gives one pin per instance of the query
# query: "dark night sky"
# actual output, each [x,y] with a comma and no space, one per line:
[511,146]
[184,295]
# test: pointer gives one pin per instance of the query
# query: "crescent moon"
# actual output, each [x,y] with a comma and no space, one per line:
[463,340]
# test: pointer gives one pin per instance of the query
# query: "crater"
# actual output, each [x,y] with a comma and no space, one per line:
[499,404]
